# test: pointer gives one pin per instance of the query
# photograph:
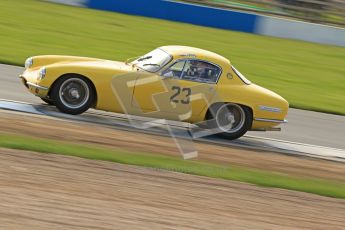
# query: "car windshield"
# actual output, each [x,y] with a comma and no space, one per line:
[153,61]
[243,78]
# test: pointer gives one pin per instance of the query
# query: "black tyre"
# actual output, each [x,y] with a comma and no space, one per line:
[73,94]
[48,101]
[231,121]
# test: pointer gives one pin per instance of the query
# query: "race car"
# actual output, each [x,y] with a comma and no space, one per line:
[171,82]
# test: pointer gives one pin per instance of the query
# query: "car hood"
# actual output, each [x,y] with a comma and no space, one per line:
[77,62]
[97,65]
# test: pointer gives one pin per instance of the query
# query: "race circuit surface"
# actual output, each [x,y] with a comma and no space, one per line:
[304,126]
[47,191]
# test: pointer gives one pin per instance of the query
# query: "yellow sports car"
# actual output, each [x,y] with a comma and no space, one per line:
[171,82]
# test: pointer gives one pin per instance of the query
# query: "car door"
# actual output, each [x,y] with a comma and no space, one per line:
[184,89]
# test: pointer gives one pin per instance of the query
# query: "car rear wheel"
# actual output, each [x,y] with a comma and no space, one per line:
[73,94]
[231,120]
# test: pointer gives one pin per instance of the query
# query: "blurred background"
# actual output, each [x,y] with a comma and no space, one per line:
[326,12]
[271,42]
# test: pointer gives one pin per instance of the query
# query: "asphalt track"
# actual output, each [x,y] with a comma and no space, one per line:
[304,126]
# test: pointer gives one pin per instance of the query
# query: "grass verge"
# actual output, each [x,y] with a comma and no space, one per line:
[310,76]
[258,177]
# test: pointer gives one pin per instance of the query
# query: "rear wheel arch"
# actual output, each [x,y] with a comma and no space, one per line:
[216,104]
[233,132]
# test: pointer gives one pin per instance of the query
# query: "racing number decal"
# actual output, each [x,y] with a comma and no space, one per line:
[188,92]
[178,90]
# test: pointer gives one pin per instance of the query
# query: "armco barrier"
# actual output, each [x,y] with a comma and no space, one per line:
[182,12]
[283,28]
[219,18]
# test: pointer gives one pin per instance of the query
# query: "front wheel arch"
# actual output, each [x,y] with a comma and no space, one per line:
[65,101]
[94,103]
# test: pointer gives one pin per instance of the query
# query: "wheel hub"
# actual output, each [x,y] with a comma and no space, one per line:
[230,118]
[74,93]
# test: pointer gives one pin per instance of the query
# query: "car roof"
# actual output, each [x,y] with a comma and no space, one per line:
[191,52]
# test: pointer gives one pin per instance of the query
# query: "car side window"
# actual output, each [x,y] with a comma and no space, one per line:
[175,70]
[201,71]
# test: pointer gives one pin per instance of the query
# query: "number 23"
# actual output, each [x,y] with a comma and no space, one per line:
[178,90]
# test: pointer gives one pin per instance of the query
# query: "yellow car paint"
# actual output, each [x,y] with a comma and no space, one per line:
[149,94]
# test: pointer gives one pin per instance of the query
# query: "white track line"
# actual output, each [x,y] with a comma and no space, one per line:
[248,141]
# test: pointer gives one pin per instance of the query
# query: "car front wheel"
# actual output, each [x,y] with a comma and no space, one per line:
[48,101]
[73,94]
[231,120]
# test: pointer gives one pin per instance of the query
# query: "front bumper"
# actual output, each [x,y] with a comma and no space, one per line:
[35,89]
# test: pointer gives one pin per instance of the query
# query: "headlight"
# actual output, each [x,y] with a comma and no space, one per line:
[42,73]
[29,62]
